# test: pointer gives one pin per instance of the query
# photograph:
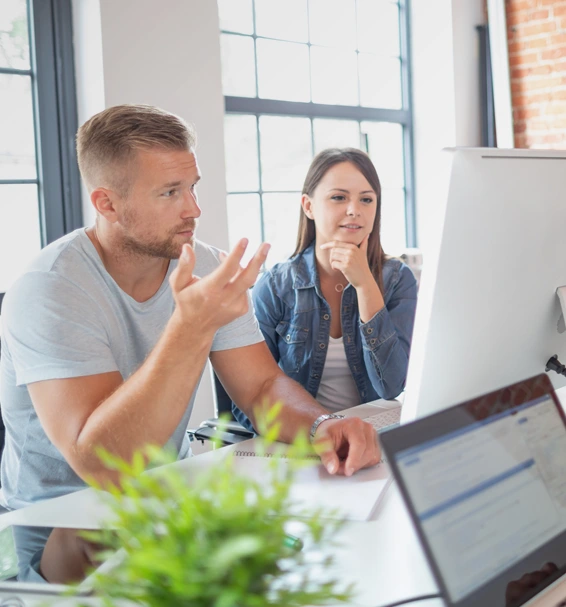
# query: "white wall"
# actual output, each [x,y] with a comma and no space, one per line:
[446,98]
[164,53]
[167,53]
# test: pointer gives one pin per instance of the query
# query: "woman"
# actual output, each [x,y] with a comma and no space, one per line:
[338,315]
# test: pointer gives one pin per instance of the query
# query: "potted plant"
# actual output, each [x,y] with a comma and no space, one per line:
[220,542]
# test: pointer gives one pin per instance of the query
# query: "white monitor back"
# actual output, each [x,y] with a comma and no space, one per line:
[487,313]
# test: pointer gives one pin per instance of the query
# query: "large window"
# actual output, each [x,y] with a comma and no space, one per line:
[39,182]
[303,75]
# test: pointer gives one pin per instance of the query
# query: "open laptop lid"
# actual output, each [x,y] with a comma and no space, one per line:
[485,484]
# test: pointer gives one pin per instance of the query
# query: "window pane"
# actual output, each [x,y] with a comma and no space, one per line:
[240,138]
[334,76]
[378,27]
[393,237]
[333,23]
[283,70]
[236,16]
[335,134]
[284,20]
[20,236]
[244,221]
[281,221]
[17,144]
[385,146]
[14,37]
[380,82]
[238,66]
[286,152]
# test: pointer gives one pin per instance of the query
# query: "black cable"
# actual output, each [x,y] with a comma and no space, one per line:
[422,597]
[555,365]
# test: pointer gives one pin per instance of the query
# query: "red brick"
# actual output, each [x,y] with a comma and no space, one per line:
[517,17]
[520,127]
[555,109]
[516,47]
[540,42]
[557,40]
[520,5]
[555,53]
[559,11]
[524,59]
[524,113]
[535,29]
[537,84]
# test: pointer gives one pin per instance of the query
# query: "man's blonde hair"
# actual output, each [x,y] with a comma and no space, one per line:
[107,143]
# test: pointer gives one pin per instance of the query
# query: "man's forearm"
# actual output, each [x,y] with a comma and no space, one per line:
[299,410]
[147,407]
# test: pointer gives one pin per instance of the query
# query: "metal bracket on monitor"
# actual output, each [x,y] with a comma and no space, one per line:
[561,293]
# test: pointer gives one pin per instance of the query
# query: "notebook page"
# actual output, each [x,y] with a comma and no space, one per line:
[354,497]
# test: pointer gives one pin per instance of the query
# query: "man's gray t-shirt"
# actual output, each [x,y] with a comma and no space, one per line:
[66,317]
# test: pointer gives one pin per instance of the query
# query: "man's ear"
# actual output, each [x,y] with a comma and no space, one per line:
[103,201]
[306,203]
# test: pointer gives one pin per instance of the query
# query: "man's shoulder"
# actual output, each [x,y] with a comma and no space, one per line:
[51,257]
[55,272]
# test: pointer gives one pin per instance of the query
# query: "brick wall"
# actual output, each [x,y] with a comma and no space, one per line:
[537,58]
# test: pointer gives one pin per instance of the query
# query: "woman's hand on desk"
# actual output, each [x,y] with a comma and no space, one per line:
[347,445]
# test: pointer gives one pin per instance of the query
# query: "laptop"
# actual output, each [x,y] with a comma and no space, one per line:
[485,485]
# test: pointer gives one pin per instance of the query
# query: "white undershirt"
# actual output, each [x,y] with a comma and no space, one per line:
[337,388]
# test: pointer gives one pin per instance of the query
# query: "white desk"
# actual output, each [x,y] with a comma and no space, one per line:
[381,556]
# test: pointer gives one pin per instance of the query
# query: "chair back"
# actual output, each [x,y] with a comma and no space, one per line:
[223,401]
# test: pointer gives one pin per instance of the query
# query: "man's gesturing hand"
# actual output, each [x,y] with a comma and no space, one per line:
[220,297]
[347,445]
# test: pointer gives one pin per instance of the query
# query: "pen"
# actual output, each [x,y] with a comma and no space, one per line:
[293,542]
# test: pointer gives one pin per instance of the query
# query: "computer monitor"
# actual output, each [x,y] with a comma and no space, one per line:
[488,314]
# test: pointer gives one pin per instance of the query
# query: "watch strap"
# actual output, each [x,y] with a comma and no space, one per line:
[323,418]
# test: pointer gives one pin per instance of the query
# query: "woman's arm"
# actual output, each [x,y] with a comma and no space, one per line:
[386,337]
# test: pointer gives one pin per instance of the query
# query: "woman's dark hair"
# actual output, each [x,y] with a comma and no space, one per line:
[321,163]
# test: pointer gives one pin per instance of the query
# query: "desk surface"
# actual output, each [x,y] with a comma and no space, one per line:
[382,556]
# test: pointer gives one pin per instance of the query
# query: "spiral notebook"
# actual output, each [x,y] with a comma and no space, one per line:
[355,497]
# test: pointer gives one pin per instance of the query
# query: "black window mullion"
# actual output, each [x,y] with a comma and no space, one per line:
[56,118]
[251,105]
[68,115]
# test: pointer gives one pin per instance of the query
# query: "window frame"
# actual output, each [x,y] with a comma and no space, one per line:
[257,107]
[52,74]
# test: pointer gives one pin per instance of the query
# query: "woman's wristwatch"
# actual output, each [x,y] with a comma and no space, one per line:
[323,418]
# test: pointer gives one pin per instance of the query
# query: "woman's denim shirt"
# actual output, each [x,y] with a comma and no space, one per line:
[295,320]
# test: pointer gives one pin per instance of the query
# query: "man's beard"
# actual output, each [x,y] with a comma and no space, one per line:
[166,248]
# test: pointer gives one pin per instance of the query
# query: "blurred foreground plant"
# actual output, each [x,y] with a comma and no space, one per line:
[218,541]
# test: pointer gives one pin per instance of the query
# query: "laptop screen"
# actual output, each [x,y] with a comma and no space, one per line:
[487,488]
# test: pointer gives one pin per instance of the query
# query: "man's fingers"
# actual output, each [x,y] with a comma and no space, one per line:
[249,274]
[363,447]
[183,273]
[230,263]
[354,439]
[330,461]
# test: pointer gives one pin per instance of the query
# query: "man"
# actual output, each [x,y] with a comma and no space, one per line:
[106,336]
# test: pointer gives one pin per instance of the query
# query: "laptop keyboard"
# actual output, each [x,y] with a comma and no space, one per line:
[385,420]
